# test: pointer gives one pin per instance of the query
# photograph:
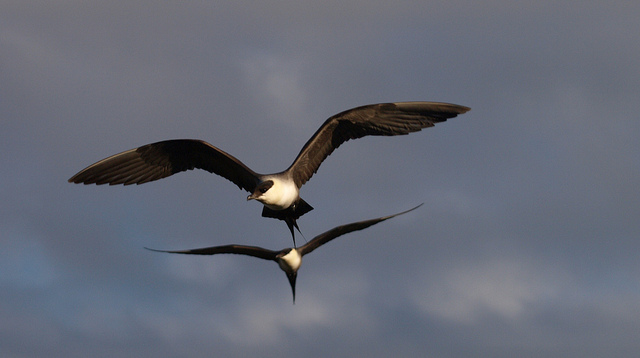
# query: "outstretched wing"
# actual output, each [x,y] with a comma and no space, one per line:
[384,119]
[228,249]
[344,229]
[159,160]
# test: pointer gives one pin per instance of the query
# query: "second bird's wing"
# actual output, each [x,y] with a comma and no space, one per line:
[344,229]
[254,251]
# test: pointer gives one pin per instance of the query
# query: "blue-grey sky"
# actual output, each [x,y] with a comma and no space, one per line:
[528,243]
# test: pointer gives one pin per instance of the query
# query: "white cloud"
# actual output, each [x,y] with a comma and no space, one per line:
[329,301]
[503,287]
[195,268]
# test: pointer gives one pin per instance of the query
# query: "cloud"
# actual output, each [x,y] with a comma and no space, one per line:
[276,84]
[469,292]
[526,244]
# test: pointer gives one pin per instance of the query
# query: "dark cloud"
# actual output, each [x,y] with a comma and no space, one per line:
[526,244]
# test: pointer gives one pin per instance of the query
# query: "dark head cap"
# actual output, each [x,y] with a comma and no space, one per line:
[261,189]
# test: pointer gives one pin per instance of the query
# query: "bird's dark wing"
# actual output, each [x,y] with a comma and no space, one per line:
[384,119]
[344,229]
[162,159]
[228,249]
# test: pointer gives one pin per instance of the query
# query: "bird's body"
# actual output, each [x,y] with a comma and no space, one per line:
[278,192]
[290,262]
[282,194]
[290,259]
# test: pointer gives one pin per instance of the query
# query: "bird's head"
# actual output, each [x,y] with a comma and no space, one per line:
[261,190]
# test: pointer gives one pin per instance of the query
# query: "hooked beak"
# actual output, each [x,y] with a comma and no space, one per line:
[292,282]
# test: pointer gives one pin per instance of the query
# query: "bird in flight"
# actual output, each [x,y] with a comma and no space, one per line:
[278,192]
[288,259]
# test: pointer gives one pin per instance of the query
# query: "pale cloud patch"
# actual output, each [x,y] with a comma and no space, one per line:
[276,82]
[217,271]
[332,304]
[24,260]
[325,301]
[504,288]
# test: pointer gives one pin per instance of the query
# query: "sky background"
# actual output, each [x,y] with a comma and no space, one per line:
[528,243]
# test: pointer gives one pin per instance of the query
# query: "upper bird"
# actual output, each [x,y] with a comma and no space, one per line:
[279,192]
[288,259]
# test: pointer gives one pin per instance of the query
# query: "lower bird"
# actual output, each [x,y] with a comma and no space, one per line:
[288,259]
[278,192]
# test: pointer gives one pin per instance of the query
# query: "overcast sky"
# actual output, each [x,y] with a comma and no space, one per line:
[528,243]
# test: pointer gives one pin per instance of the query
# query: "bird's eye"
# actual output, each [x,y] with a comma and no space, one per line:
[263,190]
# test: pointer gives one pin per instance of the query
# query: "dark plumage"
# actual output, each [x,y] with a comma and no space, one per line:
[281,198]
[288,259]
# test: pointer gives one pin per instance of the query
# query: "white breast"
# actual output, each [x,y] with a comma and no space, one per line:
[281,195]
[291,261]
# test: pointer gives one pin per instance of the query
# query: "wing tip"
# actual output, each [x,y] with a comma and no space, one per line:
[403,212]
[436,106]
[75,180]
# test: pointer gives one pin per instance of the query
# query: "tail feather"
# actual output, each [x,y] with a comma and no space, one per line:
[293,212]
[289,215]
